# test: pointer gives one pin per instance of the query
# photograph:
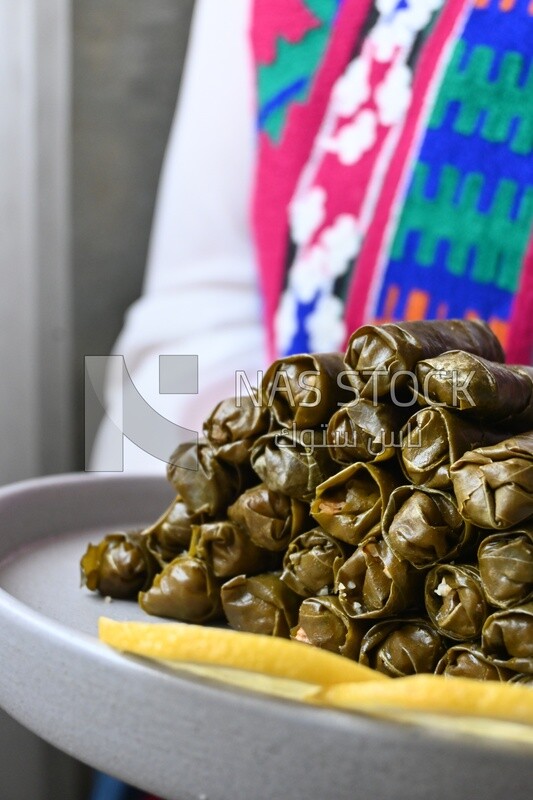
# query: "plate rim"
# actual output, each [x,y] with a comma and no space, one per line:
[83,645]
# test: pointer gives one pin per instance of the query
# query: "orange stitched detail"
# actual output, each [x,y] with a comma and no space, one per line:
[417,304]
[500,328]
[442,311]
[393,294]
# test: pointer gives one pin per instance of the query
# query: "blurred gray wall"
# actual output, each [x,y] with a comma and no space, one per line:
[127,57]
[127,61]
[35,269]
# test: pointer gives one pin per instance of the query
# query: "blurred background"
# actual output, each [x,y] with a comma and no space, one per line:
[87,93]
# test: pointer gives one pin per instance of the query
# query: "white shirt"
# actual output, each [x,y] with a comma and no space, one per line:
[201,292]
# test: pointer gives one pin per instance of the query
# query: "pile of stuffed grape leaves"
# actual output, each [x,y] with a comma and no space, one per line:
[377,504]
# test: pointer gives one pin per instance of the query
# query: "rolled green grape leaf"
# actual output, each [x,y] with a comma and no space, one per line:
[260,604]
[507,638]
[519,677]
[185,590]
[365,431]
[270,518]
[171,534]
[311,562]
[401,647]
[293,462]
[349,505]
[433,439]
[494,485]
[506,567]
[381,358]
[475,387]
[373,582]
[304,390]
[206,484]
[229,550]
[322,622]
[423,526]
[469,661]
[455,602]
[234,425]
[119,566]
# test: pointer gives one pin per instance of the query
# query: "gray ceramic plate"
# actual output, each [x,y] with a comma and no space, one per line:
[172,734]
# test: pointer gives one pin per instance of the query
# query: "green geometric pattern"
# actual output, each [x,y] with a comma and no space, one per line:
[499,241]
[324,10]
[295,65]
[502,100]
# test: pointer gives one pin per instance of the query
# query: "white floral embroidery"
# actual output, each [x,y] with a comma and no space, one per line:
[354,139]
[387,7]
[316,268]
[387,37]
[394,94]
[306,214]
[352,89]
[285,321]
[341,242]
[308,274]
[318,265]
[418,13]
[325,326]
[396,29]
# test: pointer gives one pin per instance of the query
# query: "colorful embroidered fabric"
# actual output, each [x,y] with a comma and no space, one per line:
[395,173]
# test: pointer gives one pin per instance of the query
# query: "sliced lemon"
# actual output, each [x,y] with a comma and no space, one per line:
[435,694]
[267,655]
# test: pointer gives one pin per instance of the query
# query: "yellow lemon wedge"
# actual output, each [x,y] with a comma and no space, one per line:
[252,652]
[435,694]
[298,671]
